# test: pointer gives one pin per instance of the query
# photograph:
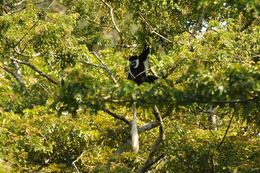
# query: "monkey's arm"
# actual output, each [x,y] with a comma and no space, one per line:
[144,54]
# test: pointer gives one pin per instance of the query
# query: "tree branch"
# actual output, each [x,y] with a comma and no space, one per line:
[151,160]
[105,67]
[15,75]
[152,30]
[36,70]
[91,64]
[186,164]
[224,137]
[112,15]
[156,123]
[119,117]
[51,4]
[78,158]
[19,41]
[148,126]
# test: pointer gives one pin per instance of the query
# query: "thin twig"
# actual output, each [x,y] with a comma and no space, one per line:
[46,162]
[112,16]
[51,4]
[19,41]
[186,164]
[247,24]
[78,158]
[152,30]
[105,67]
[224,137]
[32,27]
[229,101]
[91,64]
[19,3]
[160,35]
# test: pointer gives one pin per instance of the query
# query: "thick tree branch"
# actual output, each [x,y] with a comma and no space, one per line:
[156,123]
[119,117]
[148,126]
[150,163]
[141,129]
[151,160]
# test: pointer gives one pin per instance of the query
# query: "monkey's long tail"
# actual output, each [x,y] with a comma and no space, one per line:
[134,131]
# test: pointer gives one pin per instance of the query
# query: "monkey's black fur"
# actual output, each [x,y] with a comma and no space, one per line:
[137,71]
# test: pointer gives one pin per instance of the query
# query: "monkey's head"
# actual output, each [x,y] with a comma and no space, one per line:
[134,61]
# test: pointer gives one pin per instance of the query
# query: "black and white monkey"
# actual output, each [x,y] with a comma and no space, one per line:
[137,73]
[139,67]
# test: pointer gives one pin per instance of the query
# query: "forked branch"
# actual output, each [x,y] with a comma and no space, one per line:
[151,160]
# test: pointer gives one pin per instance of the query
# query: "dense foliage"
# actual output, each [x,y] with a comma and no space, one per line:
[65,101]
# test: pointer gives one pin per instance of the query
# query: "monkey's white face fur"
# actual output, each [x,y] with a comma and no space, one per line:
[135,63]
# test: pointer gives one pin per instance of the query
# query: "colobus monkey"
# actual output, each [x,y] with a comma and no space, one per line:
[137,73]
[139,67]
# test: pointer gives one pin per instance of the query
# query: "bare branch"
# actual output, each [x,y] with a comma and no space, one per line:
[148,126]
[151,160]
[105,67]
[224,137]
[134,131]
[47,161]
[51,4]
[119,117]
[150,163]
[91,64]
[78,158]
[15,75]
[112,15]
[185,163]
[160,35]
[152,30]
[19,41]
[36,70]
[19,3]
[154,124]
[255,98]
